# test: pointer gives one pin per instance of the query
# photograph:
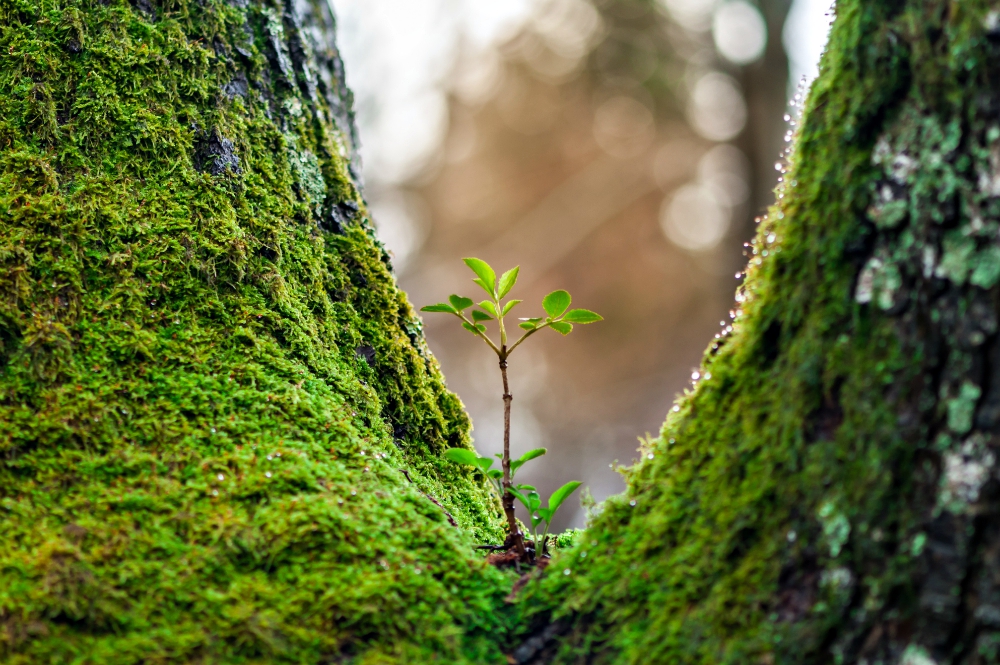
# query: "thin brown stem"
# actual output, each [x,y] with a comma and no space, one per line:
[508,498]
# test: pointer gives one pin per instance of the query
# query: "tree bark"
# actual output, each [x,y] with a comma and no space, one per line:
[828,490]
[210,387]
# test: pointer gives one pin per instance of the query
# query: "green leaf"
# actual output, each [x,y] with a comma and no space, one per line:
[495,474]
[582,316]
[484,463]
[545,514]
[462,456]
[525,487]
[507,281]
[560,495]
[485,273]
[526,457]
[489,307]
[509,306]
[440,307]
[475,330]
[486,287]
[520,497]
[535,521]
[527,326]
[480,316]
[535,500]
[460,303]
[532,454]
[556,303]
[561,327]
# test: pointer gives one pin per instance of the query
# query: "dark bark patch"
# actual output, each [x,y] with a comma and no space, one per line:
[824,422]
[770,343]
[798,583]
[216,154]
[340,215]
[145,7]
[366,353]
[238,87]
[537,648]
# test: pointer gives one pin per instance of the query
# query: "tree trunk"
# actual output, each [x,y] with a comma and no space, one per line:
[828,491]
[210,387]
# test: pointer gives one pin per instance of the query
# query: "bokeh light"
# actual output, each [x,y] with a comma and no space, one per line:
[616,148]
[739,32]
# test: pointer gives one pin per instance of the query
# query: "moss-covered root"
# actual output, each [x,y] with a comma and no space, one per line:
[827,492]
[209,383]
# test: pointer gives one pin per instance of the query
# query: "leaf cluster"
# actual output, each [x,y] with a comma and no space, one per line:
[526,494]
[558,315]
[485,464]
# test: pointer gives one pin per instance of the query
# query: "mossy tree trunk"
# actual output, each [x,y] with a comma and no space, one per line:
[828,491]
[219,422]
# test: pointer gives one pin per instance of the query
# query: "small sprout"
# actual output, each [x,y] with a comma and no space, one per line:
[560,318]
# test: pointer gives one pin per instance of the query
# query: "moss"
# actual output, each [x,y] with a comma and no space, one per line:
[811,499]
[206,399]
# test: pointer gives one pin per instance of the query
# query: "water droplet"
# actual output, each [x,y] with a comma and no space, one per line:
[269,457]
[676,409]
[792,536]
[354,492]
[416,570]
[695,376]
[267,475]
[221,477]
[277,454]
[566,571]
[632,503]
[583,555]
[649,456]
[367,469]
[672,441]
[215,492]
[708,375]
[787,117]
[213,430]
[777,166]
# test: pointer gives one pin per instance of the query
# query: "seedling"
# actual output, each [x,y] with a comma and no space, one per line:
[533,503]
[559,317]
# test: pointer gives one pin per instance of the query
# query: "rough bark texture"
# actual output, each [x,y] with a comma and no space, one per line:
[828,491]
[210,387]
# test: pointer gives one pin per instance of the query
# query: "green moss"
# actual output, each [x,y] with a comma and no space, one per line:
[778,516]
[206,400]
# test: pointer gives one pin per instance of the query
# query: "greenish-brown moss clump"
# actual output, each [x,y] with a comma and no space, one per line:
[209,383]
[827,491]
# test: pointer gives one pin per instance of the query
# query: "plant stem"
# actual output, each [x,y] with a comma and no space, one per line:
[508,498]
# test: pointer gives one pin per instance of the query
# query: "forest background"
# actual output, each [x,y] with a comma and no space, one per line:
[617,148]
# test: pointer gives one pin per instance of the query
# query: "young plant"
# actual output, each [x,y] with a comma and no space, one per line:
[485,464]
[560,318]
[533,503]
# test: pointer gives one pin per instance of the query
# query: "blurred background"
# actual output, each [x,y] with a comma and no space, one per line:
[619,149]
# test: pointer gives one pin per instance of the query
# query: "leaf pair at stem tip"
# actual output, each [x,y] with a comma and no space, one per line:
[559,316]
